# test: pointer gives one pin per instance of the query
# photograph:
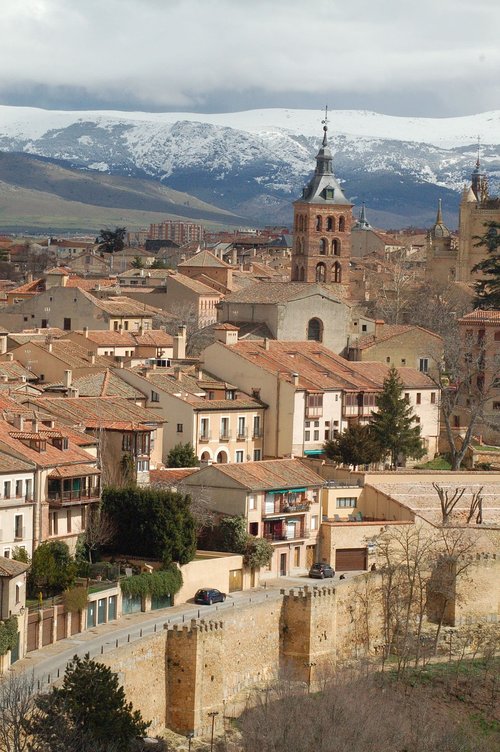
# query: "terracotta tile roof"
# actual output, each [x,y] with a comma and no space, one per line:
[194,285]
[36,335]
[389,331]
[321,369]
[153,338]
[226,327]
[105,384]
[241,403]
[98,412]
[73,355]
[71,471]
[11,567]
[10,464]
[486,317]
[51,457]
[268,474]
[170,476]
[204,258]
[281,292]
[152,273]
[89,284]
[33,287]
[105,337]
[120,305]
[15,371]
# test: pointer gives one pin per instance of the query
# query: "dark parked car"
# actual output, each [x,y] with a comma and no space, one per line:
[207,596]
[321,570]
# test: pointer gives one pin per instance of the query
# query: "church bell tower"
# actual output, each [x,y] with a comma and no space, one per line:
[322,225]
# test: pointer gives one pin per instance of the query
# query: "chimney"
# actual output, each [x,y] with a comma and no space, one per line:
[19,422]
[49,347]
[68,378]
[85,331]
[5,378]
[178,373]
[34,425]
[29,277]
[295,379]
[379,325]
[10,356]
[92,359]
[227,334]
[179,349]
[199,375]
[266,343]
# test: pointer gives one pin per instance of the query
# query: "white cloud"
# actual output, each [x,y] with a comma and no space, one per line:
[187,53]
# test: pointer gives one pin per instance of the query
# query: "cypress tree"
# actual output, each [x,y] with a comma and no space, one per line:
[394,426]
[488,289]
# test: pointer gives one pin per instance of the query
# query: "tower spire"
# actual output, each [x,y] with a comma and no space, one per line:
[325,127]
[439,217]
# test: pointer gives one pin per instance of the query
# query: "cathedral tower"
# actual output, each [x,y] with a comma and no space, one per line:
[322,226]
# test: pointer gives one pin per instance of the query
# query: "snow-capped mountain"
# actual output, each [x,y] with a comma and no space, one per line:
[254,163]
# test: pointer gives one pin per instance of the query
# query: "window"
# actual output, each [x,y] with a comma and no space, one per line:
[18,594]
[407,397]
[316,435]
[6,489]
[423,365]
[204,425]
[320,273]
[142,466]
[433,398]
[496,406]
[224,428]
[314,522]
[388,359]
[67,325]
[44,323]
[497,336]
[307,436]
[127,442]
[68,520]
[252,502]
[155,397]
[346,502]
[53,523]
[364,327]
[28,490]
[180,427]
[19,489]
[253,528]
[296,556]
[257,455]
[256,426]
[241,428]
[230,394]
[327,434]
[6,553]
[419,398]
[403,361]
[315,330]
[239,456]
[18,526]
[456,421]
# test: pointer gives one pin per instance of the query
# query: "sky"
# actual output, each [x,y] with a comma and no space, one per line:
[431,58]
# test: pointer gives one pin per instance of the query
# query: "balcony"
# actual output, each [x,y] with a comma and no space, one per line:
[314,412]
[203,438]
[64,498]
[241,436]
[277,534]
[282,507]
[225,436]
[257,433]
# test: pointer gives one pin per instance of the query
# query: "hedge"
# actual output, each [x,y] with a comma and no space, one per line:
[8,634]
[163,582]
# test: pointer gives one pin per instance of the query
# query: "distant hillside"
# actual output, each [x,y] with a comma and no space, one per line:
[38,194]
[255,163]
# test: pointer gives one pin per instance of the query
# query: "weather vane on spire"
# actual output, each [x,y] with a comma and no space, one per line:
[478,151]
[325,125]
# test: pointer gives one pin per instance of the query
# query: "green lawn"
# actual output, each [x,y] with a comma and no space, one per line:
[438,463]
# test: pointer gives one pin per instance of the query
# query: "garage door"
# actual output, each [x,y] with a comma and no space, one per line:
[350,559]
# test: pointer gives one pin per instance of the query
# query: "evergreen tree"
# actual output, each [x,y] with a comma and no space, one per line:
[182,455]
[151,522]
[112,241]
[488,289]
[88,713]
[52,569]
[356,446]
[394,426]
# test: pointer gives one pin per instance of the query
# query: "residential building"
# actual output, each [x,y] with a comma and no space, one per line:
[399,345]
[128,436]
[179,232]
[222,423]
[151,344]
[73,308]
[209,269]
[17,483]
[196,299]
[49,361]
[13,603]
[313,394]
[280,500]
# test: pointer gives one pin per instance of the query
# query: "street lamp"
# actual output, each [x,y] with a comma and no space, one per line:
[189,737]
[212,714]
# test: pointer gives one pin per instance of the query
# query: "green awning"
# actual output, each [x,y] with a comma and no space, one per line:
[313,452]
[287,490]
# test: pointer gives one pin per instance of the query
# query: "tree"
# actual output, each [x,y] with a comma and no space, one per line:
[394,281]
[99,532]
[88,713]
[137,263]
[112,241]
[488,289]
[151,522]
[160,264]
[355,446]
[394,426]
[16,703]
[52,569]
[182,455]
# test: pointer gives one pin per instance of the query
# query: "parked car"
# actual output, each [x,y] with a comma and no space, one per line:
[321,570]
[207,596]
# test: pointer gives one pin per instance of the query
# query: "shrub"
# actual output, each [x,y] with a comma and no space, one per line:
[8,634]
[163,582]
[75,599]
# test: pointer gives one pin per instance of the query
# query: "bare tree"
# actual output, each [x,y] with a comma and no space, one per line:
[476,507]
[16,705]
[448,503]
[99,531]
[394,282]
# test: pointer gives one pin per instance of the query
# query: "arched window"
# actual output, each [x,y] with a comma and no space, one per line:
[319,222]
[315,330]
[301,222]
[330,224]
[320,273]
[221,458]
[337,272]
[301,274]
[341,224]
[336,247]
[295,276]
[306,222]
[299,245]
[323,247]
